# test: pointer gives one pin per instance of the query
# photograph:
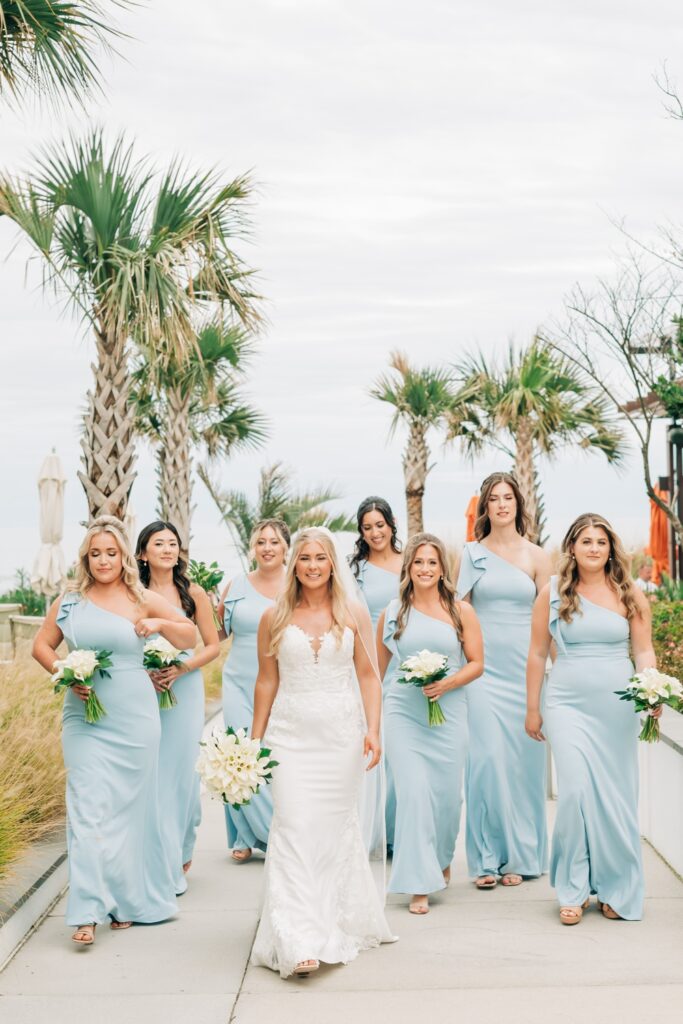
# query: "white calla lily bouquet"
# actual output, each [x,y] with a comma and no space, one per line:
[648,690]
[424,668]
[78,669]
[158,653]
[233,767]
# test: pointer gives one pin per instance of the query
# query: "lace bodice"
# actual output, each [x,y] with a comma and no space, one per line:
[303,669]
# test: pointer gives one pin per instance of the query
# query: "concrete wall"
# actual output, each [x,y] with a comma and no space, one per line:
[661,790]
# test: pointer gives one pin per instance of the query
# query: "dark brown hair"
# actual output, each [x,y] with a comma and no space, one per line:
[446,587]
[617,570]
[180,579]
[482,524]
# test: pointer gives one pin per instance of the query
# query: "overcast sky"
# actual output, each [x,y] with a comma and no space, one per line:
[432,176]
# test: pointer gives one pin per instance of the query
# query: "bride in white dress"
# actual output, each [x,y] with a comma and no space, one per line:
[321,902]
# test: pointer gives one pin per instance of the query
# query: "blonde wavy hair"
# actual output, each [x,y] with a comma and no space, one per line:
[446,586]
[290,595]
[83,578]
[617,569]
[277,526]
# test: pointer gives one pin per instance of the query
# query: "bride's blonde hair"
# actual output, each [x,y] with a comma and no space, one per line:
[84,579]
[291,593]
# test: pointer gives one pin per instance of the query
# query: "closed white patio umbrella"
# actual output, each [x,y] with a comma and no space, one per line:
[48,570]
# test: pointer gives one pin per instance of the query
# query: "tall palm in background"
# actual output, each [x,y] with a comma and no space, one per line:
[534,403]
[50,47]
[194,403]
[137,255]
[276,499]
[422,399]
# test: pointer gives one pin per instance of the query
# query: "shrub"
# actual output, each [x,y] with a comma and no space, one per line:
[667,634]
[31,602]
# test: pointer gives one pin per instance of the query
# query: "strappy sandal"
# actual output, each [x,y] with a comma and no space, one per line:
[511,879]
[306,967]
[572,915]
[486,882]
[87,933]
[119,926]
[419,908]
[608,912]
[241,856]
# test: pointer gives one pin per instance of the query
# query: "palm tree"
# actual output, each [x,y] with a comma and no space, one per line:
[276,500]
[194,403]
[50,47]
[137,258]
[536,402]
[422,399]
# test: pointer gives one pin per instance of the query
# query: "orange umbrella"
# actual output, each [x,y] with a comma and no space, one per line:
[470,517]
[658,548]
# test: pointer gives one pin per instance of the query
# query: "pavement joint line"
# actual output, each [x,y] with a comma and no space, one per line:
[233,1011]
[664,861]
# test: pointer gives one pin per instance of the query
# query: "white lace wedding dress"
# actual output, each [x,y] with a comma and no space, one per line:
[321,901]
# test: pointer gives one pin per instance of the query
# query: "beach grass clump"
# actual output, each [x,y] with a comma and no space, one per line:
[32,776]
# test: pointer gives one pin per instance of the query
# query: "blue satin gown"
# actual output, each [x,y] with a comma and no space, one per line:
[380,587]
[247,827]
[505,779]
[179,795]
[118,862]
[427,762]
[594,739]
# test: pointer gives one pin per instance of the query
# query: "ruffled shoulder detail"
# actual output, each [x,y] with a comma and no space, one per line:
[390,617]
[472,567]
[237,592]
[554,620]
[66,606]
[360,578]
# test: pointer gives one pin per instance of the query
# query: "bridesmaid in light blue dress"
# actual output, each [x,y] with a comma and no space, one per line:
[592,610]
[376,563]
[162,570]
[428,762]
[245,600]
[118,862]
[505,788]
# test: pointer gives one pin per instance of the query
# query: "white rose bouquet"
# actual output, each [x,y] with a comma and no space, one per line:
[159,653]
[78,669]
[234,767]
[649,690]
[424,668]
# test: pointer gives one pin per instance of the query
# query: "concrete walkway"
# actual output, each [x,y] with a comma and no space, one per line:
[477,958]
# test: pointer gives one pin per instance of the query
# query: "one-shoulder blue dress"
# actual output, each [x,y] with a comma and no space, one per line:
[427,762]
[247,827]
[380,587]
[594,740]
[505,779]
[118,861]
[179,793]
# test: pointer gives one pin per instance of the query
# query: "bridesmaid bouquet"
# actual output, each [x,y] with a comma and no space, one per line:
[424,668]
[207,577]
[78,669]
[234,767]
[159,653]
[651,689]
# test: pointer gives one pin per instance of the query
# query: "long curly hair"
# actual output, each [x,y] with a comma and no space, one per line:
[617,571]
[482,524]
[180,578]
[362,549]
[291,592]
[83,579]
[446,586]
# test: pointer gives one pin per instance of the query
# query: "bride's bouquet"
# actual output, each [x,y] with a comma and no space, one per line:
[651,689]
[424,668]
[78,669]
[234,767]
[158,653]
[207,577]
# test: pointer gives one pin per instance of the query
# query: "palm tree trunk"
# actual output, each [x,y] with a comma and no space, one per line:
[175,466]
[525,473]
[108,440]
[415,470]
